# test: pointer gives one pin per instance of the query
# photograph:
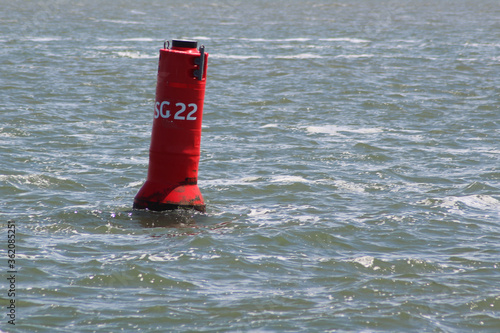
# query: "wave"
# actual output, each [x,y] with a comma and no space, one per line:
[345,39]
[234,56]
[300,56]
[336,130]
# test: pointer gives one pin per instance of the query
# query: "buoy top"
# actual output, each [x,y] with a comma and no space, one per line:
[188,44]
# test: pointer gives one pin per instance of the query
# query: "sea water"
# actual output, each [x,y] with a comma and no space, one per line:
[349,163]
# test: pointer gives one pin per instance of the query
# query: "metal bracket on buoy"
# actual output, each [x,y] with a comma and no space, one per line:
[201,63]
[166,45]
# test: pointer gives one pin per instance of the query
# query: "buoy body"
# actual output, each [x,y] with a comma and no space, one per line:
[174,153]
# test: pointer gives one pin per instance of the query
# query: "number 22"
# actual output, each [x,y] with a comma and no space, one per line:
[182,106]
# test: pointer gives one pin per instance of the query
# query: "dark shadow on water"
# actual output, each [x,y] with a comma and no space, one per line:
[179,218]
[184,221]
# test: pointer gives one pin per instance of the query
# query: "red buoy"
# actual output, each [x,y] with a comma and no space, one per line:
[174,153]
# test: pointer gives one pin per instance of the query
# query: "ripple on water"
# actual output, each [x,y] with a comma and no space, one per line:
[349,170]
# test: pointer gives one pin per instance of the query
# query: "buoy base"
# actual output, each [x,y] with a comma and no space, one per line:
[159,207]
[154,197]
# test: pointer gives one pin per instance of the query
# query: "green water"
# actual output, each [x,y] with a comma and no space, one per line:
[349,163]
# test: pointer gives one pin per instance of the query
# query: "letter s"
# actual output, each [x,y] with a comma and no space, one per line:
[157,112]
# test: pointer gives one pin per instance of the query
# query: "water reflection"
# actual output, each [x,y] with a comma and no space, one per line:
[179,218]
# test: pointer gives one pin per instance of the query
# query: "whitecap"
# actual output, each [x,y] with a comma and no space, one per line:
[259,212]
[334,130]
[297,39]
[135,55]
[367,130]
[121,21]
[345,39]
[249,179]
[134,184]
[228,182]
[263,40]
[137,12]
[270,126]
[164,257]
[264,256]
[299,56]
[43,39]
[307,218]
[139,39]
[288,179]
[354,56]
[201,38]
[110,47]
[234,56]
[38,180]
[351,187]
[478,201]
[31,256]
[328,129]
[366,261]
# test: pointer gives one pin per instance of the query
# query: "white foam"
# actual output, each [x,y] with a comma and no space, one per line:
[366,261]
[201,38]
[350,187]
[31,256]
[235,56]
[137,12]
[263,40]
[300,56]
[43,39]
[307,218]
[134,55]
[259,212]
[354,56]
[478,201]
[228,182]
[139,39]
[249,179]
[334,130]
[163,257]
[288,179]
[350,40]
[263,256]
[134,184]
[121,21]
[328,129]
[110,47]
[37,180]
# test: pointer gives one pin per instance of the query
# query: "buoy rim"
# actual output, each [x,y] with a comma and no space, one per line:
[189,44]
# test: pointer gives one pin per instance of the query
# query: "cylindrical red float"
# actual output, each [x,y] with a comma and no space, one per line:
[174,153]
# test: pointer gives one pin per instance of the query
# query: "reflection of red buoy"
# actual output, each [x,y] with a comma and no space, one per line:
[174,153]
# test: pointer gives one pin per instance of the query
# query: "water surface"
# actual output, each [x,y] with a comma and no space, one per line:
[350,166]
